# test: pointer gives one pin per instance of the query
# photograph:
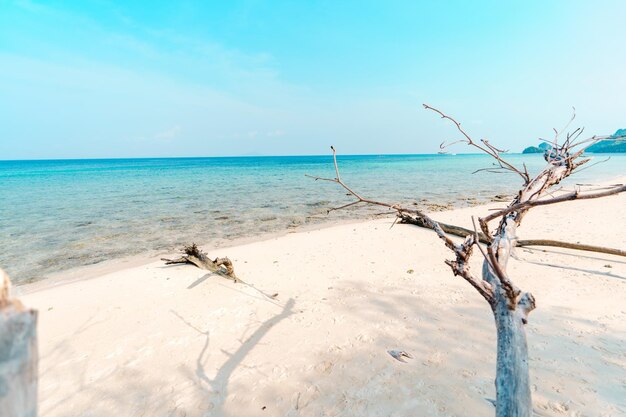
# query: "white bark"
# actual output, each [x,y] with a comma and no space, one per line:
[510,306]
[513,397]
[18,356]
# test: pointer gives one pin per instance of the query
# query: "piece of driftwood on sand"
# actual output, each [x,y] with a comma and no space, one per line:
[194,256]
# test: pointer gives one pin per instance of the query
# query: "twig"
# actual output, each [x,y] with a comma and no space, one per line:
[489,149]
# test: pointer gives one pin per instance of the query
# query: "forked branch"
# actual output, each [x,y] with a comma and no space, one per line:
[194,256]
[509,304]
[460,266]
[486,147]
[459,231]
[575,195]
[562,161]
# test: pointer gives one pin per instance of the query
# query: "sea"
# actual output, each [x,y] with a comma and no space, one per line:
[57,215]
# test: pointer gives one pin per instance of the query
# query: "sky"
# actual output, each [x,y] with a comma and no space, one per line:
[106,79]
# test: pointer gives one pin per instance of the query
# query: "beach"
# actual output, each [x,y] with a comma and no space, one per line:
[71,213]
[312,209]
[309,331]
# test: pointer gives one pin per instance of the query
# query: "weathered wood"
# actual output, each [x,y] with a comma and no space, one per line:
[18,355]
[194,256]
[452,229]
[513,396]
[510,306]
[568,245]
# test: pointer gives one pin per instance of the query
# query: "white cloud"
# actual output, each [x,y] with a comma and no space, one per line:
[168,134]
[274,133]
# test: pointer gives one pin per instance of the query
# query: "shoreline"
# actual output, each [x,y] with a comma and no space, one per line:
[99,269]
[137,212]
[87,272]
[176,340]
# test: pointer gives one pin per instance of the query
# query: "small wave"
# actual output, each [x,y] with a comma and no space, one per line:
[318,203]
[267,218]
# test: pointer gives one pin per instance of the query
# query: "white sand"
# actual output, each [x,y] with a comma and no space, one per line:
[152,340]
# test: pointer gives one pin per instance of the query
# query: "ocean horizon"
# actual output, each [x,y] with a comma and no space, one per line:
[114,158]
[58,214]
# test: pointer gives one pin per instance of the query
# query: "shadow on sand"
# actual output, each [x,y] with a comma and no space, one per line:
[217,387]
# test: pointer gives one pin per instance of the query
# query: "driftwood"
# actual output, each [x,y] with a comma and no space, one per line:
[18,355]
[509,304]
[221,266]
[194,256]
[451,229]
[568,245]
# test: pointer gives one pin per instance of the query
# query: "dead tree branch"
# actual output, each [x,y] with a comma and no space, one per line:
[194,256]
[459,266]
[358,197]
[568,245]
[510,305]
[406,218]
[575,195]
[487,148]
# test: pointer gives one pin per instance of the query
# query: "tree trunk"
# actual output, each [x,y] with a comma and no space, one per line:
[513,397]
[510,308]
[18,356]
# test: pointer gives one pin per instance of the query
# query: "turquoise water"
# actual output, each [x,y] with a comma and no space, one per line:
[56,215]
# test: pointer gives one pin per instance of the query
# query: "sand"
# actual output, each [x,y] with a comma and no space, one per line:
[155,340]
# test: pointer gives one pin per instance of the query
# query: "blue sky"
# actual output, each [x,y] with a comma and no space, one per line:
[132,79]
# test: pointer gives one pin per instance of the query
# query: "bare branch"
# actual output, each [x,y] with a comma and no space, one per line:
[594,164]
[359,198]
[444,145]
[565,197]
[507,302]
[489,149]
[463,252]
[511,290]
[478,240]
[558,133]
[490,146]
[344,206]
[496,170]
[454,230]
[561,164]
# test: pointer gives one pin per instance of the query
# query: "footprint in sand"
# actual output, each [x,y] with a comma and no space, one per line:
[325,367]
[301,399]
[206,405]
[435,359]
[466,373]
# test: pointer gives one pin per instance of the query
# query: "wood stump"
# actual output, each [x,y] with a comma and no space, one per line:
[18,355]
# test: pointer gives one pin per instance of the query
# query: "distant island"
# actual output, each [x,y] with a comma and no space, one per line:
[543,146]
[614,145]
[611,146]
